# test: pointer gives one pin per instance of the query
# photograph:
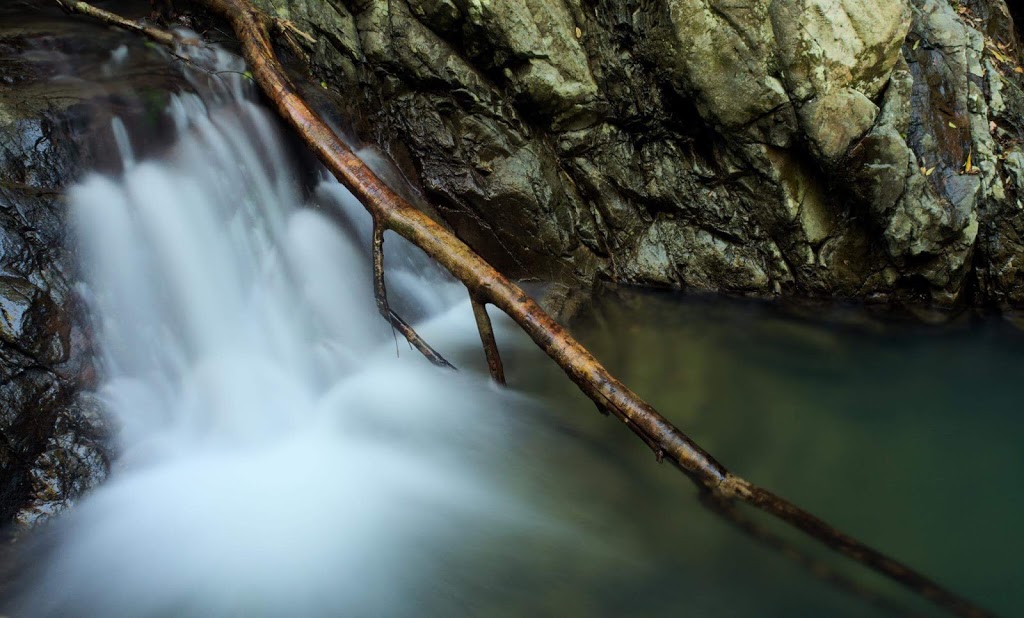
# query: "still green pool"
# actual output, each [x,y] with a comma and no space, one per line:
[909,437]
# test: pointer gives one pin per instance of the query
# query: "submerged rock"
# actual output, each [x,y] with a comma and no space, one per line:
[845,148]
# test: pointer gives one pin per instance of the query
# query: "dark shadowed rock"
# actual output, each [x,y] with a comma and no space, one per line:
[57,97]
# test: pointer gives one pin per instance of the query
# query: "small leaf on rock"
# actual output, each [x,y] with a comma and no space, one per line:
[969,167]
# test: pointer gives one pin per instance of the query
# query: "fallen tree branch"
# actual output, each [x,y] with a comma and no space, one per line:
[487,285]
[158,35]
[730,512]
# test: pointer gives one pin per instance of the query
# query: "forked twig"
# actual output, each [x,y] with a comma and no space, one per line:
[381,294]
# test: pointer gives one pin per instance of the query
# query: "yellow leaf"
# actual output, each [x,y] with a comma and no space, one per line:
[929,171]
[579,33]
[968,167]
[951,125]
[917,44]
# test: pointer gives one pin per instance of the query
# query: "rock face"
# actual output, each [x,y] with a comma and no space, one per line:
[54,123]
[825,148]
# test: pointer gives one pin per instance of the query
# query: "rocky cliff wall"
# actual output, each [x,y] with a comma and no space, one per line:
[865,149]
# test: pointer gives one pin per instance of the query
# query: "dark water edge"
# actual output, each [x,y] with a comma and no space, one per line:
[906,435]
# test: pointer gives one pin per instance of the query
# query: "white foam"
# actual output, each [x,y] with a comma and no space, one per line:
[277,458]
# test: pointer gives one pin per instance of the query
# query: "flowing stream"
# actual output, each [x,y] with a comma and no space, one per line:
[281,453]
[277,455]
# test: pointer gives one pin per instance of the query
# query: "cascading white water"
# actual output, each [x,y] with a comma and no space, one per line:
[276,456]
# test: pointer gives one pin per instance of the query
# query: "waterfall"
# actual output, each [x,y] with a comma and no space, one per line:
[277,455]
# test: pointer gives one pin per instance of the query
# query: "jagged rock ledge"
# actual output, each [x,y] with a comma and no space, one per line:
[854,149]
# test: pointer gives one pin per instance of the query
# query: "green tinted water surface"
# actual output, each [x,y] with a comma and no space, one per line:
[906,436]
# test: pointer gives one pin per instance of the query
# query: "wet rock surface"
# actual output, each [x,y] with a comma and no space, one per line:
[58,95]
[861,149]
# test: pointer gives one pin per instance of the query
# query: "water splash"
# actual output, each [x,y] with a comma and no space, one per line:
[276,457]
